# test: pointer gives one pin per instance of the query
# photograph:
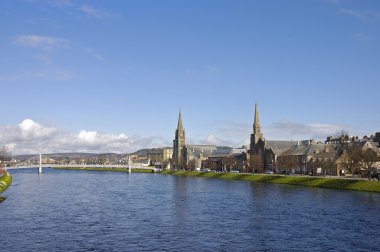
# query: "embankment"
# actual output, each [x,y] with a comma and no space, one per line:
[347,184]
[5,182]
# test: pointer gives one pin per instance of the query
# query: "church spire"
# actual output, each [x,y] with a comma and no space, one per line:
[256,122]
[179,126]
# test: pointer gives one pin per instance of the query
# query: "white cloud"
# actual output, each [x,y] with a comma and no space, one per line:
[44,58]
[209,69]
[27,130]
[41,42]
[90,11]
[363,36]
[55,3]
[368,16]
[220,140]
[286,130]
[238,134]
[334,1]
[86,9]
[354,13]
[206,70]
[29,137]
[50,74]
[94,53]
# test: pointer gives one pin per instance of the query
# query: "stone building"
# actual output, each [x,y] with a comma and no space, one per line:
[297,158]
[263,153]
[226,162]
[160,155]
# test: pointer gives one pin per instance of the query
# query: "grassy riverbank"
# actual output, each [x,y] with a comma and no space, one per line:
[5,182]
[347,184]
[104,169]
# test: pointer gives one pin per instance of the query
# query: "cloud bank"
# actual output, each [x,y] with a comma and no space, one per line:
[30,137]
[41,42]
[238,134]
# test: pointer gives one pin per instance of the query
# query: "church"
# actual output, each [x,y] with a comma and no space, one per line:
[263,153]
[179,158]
[190,156]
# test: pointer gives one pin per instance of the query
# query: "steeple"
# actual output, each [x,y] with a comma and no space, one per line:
[179,144]
[179,126]
[256,123]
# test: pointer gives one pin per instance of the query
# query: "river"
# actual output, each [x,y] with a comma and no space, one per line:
[104,211]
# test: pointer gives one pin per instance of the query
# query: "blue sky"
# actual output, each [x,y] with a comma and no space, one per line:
[111,75]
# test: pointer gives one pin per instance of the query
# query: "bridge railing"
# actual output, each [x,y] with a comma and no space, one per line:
[134,166]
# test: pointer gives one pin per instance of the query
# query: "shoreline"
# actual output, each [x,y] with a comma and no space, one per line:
[104,169]
[331,183]
[5,182]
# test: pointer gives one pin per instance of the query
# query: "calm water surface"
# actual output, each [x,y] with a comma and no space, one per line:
[105,211]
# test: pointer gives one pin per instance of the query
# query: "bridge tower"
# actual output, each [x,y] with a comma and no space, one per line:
[129,165]
[40,167]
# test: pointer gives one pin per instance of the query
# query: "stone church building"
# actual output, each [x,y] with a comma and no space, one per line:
[263,153]
[179,158]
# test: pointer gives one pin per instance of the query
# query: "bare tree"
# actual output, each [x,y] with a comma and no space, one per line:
[5,155]
[257,163]
[352,158]
[340,139]
[228,162]
[367,159]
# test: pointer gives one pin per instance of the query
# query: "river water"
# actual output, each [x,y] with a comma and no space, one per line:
[105,211]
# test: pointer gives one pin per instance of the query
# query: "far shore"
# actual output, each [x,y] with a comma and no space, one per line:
[105,169]
[331,183]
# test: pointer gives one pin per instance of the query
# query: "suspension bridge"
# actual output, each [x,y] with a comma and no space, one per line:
[36,162]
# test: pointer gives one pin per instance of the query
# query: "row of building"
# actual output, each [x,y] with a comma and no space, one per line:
[299,157]
[271,156]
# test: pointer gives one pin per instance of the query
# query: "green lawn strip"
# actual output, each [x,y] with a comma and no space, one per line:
[348,184]
[5,181]
[104,169]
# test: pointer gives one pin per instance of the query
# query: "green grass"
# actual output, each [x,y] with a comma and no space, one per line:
[347,184]
[5,181]
[105,169]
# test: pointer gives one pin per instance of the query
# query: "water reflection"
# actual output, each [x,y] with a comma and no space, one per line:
[82,211]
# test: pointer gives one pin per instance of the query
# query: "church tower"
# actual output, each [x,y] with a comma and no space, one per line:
[179,144]
[257,146]
[256,126]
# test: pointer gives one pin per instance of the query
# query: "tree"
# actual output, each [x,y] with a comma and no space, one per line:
[5,155]
[340,139]
[191,164]
[228,162]
[257,163]
[326,164]
[165,164]
[367,159]
[351,158]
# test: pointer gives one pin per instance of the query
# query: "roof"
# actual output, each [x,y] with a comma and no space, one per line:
[239,156]
[324,154]
[279,147]
[303,149]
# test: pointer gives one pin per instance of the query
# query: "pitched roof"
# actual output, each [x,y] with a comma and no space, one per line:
[279,147]
[303,149]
